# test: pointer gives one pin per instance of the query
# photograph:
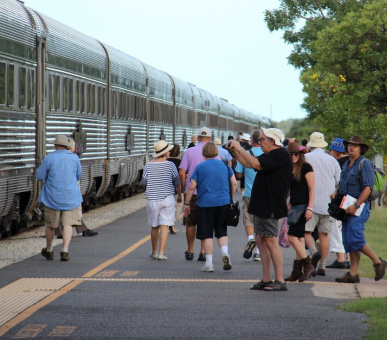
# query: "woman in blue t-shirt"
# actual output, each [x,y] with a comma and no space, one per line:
[212,179]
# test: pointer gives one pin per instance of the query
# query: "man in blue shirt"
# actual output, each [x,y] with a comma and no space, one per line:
[60,171]
[248,219]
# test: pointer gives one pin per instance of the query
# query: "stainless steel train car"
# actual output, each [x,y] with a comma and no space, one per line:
[56,80]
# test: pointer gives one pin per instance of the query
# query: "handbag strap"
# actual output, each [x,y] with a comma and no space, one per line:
[229,183]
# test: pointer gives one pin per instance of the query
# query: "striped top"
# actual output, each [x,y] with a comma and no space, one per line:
[160,179]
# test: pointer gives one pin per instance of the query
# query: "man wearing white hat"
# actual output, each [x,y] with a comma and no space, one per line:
[60,170]
[327,176]
[268,201]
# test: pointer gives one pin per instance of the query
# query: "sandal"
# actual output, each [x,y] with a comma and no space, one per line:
[276,286]
[260,285]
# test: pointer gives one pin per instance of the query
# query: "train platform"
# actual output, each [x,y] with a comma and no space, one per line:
[111,288]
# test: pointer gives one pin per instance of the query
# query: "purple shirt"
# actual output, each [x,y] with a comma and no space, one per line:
[192,157]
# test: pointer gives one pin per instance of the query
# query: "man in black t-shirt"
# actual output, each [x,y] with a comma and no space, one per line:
[268,201]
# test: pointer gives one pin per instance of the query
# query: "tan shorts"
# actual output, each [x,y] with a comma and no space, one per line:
[248,219]
[69,217]
[324,223]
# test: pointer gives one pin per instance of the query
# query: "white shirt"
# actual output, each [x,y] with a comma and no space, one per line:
[326,177]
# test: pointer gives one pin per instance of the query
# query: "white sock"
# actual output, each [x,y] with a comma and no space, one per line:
[49,249]
[250,237]
[224,249]
[208,259]
[256,250]
[66,250]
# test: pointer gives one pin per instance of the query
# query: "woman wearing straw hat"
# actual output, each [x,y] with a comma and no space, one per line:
[161,179]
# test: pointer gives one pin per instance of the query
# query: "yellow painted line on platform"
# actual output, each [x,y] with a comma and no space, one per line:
[116,258]
[31,310]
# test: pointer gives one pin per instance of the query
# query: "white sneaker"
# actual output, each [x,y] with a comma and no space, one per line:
[208,268]
[154,256]
[162,257]
[256,257]
[226,261]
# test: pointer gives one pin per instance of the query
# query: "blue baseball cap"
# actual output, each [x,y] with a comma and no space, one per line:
[337,145]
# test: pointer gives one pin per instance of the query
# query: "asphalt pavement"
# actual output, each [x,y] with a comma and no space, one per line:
[111,288]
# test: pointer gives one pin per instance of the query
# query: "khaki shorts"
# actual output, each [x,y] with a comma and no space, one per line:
[324,223]
[248,219]
[53,217]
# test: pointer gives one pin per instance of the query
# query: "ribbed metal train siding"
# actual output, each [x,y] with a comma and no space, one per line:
[96,132]
[11,186]
[127,69]
[69,44]
[15,24]
[17,141]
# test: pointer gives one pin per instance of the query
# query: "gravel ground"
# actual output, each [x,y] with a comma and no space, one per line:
[29,243]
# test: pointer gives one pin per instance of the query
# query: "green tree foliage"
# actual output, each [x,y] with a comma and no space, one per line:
[347,86]
[302,20]
[341,49]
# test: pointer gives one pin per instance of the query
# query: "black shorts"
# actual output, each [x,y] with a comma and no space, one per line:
[210,220]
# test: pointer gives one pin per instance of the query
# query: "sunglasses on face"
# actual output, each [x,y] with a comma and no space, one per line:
[294,154]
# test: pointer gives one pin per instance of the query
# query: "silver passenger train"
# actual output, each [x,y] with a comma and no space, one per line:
[56,80]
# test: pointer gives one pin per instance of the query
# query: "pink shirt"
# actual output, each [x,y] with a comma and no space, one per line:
[192,157]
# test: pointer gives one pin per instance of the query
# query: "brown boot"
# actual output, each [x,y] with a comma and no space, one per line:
[308,269]
[297,271]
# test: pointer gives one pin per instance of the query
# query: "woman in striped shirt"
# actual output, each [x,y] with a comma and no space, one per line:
[161,179]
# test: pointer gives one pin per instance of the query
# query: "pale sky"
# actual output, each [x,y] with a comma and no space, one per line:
[222,46]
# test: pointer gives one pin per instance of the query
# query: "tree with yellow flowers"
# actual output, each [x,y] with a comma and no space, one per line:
[343,67]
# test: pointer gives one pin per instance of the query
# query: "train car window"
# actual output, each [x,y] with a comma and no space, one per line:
[2,83]
[31,89]
[57,93]
[11,79]
[51,92]
[65,94]
[92,99]
[97,107]
[22,87]
[82,97]
[71,95]
[112,103]
[103,101]
[76,96]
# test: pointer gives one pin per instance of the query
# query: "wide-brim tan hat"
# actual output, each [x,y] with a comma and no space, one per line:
[356,140]
[317,140]
[161,147]
[63,141]
[275,134]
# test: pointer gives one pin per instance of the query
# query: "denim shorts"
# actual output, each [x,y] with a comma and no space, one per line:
[353,231]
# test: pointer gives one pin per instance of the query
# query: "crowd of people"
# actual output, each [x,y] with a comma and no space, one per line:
[278,178]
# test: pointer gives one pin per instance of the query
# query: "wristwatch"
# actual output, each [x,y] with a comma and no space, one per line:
[357,206]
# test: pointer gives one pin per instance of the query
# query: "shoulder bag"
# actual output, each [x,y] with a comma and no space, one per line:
[234,210]
[295,213]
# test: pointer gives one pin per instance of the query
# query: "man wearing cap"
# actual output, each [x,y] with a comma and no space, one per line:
[327,176]
[224,155]
[192,157]
[248,219]
[337,150]
[60,171]
[268,201]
